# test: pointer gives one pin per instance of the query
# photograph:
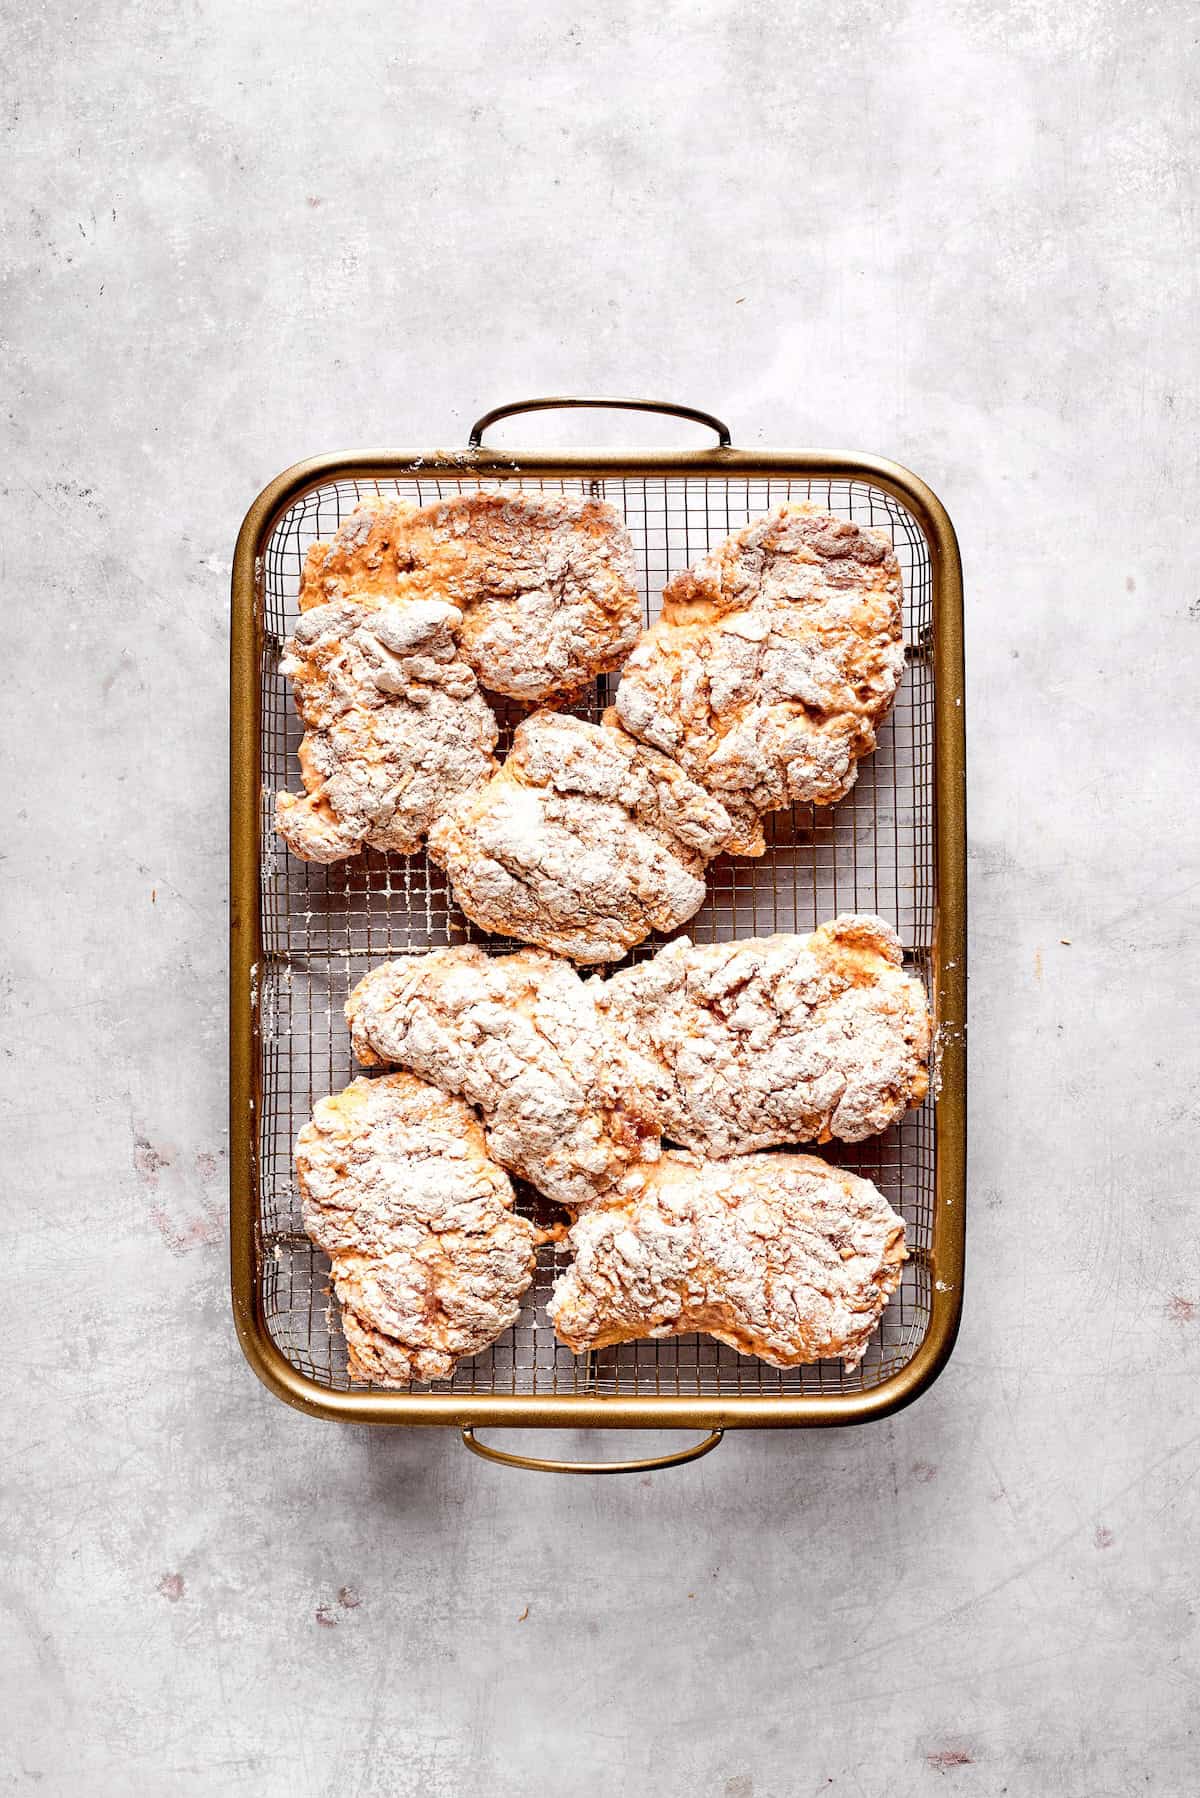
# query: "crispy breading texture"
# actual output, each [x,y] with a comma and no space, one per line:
[518,1036]
[781,1256]
[732,1047]
[774,661]
[429,1259]
[583,843]
[725,1048]
[546,583]
[397,727]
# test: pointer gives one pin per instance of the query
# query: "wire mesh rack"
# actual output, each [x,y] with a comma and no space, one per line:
[322,927]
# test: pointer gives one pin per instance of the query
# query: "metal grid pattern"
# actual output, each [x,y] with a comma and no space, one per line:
[324,926]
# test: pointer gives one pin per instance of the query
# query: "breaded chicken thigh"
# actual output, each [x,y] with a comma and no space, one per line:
[516,1035]
[584,842]
[731,1047]
[774,661]
[546,583]
[429,1259]
[780,1256]
[397,727]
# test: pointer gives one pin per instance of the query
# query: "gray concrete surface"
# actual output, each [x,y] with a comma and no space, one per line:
[961,235]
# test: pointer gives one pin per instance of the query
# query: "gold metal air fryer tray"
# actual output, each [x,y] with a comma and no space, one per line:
[303,934]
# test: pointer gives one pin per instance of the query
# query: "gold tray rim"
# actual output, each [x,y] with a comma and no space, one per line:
[598,1411]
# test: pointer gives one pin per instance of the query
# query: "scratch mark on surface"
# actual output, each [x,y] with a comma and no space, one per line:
[1131,911]
[182,897]
[862,1652]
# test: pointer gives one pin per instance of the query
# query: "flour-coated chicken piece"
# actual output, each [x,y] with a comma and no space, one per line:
[546,583]
[774,661]
[397,727]
[518,1036]
[583,843]
[732,1047]
[781,1256]
[429,1259]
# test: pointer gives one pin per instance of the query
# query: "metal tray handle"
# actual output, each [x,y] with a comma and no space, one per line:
[552,405]
[535,1465]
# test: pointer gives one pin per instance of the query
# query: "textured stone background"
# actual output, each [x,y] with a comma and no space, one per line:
[962,235]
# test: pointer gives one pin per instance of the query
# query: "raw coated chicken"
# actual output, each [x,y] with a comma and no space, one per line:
[518,1036]
[731,1047]
[429,1259]
[781,1256]
[546,583]
[583,843]
[724,1048]
[774,661]
[397,728]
